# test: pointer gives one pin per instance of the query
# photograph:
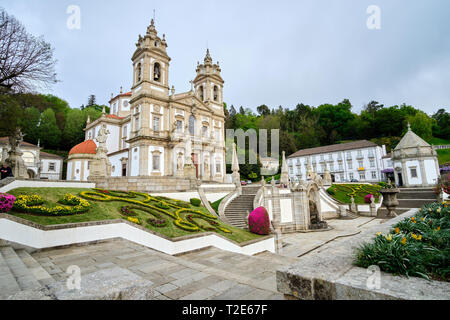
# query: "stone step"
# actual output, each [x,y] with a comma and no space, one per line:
[413,203]
[8,283]
[35,268]
[416,195]
[25,279]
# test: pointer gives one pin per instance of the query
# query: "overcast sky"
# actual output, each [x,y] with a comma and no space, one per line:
[271,52]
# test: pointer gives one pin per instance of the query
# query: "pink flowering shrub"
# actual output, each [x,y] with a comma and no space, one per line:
[367,198]
[258,221]
[6,202]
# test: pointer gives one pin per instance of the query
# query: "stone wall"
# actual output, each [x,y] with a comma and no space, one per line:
[147,184]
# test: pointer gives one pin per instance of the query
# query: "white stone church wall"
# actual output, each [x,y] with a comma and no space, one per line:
[430,170]
[117,164]
[417,180]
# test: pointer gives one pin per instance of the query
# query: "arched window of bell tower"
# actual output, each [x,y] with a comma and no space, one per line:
[216,93]
[201,93]
[139,72]
[157,72]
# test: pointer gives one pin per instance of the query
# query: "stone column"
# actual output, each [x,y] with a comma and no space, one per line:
[300,205]
[276,205]
[284,178]
[405,173]
[423,173]
[235,167]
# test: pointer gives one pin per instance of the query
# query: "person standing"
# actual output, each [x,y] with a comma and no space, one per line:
[5,171]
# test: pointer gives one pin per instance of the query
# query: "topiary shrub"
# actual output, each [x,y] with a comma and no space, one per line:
[259,222]
[368,197]
[6,202]
[195,202]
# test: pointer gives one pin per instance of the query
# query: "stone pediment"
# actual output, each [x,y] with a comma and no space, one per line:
[193,100]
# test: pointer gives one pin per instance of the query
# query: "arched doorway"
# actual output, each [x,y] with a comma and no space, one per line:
[30,174]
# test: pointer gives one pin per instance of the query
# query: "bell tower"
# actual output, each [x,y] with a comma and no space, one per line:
[208,83]
[151,64]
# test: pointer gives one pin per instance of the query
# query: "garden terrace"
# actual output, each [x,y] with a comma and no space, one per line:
[169,217]
[343,192]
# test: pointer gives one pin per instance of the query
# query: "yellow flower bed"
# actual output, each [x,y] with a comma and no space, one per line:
[179,221]
[34,204]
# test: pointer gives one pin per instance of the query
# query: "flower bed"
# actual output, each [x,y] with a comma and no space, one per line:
[35,204]
[344,192]
[179,211]
[417,246]
[6,202]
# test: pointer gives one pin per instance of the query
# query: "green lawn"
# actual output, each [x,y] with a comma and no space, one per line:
[215,205]
[443,156]
[438,141]
[343,192]
[107,210]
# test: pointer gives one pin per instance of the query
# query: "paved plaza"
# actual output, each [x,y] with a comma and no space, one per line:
[201,275]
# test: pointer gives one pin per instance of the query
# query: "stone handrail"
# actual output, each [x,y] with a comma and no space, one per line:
[226,201]
[205,201]
[258,198]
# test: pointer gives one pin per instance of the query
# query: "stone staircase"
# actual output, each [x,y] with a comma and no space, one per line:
[410,198]
[236,211]
[20,272]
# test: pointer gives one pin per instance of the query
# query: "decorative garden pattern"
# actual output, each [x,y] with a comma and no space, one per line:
[35,204]
[161,210]
[344,192]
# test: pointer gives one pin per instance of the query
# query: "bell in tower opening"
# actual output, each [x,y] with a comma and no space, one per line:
[156,72]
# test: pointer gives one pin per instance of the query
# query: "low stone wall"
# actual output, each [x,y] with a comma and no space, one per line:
[147,184]
[32,235]
[16,183]
[331,275]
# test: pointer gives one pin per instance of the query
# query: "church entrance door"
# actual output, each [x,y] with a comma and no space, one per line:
[400,179]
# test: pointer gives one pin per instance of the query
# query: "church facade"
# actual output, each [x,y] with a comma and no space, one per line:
[154,131]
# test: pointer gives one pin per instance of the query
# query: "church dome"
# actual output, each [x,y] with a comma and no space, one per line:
[87,146]
[411,145]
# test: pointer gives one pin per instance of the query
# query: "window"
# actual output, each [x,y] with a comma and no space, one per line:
[218,167]
[331,167]
[52,166]
[124,169]
[89,165]
[113,168]
[341,167]
[155,124]
[204,131]
[372,163]
[201,93]
[360,163]
[413,173]
[217,135]
[156,72]
[136,123]
[350,175]
[374,174]
[156,160]
[28,157]
[179,126]
[291,170]
[139,72]
[124,131]
[362,176]
[216,93]
[192,125]
[341,177]
[350,164]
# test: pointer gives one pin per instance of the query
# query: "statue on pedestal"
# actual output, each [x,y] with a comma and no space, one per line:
[14,159]
[101,167]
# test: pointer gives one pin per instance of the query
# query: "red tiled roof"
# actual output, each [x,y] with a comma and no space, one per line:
[113,116]
[87,146]
[334,148]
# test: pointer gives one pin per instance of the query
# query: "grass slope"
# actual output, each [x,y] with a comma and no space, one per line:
[111,210]
[342,192]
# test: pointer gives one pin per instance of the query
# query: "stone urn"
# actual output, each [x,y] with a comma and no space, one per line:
[390,200]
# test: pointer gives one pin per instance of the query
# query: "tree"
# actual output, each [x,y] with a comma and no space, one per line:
[26,62]
[49,132]
[30,124]
[263,110]
[91,100]
[441,127]
[10,114]
[73,131]
[421,124]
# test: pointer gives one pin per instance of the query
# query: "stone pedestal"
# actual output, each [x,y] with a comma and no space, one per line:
[17,165]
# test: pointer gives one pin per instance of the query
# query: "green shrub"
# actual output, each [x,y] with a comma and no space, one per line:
[195,202]
[331,191]
[416,246]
